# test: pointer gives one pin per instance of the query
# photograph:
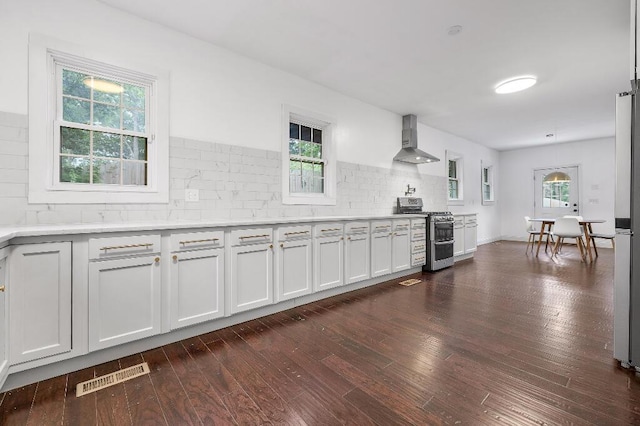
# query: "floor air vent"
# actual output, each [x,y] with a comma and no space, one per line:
[412,281]
[111,379]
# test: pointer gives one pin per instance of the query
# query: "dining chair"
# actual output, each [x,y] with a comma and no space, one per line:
[611,237]
[533,234]
[568,227]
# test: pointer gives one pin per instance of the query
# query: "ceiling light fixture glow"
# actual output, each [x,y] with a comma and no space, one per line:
[516,84]
[103,85]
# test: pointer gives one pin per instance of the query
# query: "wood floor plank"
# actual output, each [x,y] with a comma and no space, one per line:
[175,404]
[78,410]
[208,405]
[48,402]
[16,405]
[243,409]
[111,402]
[142,400]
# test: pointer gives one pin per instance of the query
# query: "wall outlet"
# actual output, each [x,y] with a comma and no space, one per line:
[192,195]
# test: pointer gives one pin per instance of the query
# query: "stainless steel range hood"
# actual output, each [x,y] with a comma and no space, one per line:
[410,152]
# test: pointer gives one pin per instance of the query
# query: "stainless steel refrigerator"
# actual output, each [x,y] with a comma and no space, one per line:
[626,334]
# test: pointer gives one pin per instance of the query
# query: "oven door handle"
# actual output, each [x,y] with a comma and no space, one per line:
[440,243]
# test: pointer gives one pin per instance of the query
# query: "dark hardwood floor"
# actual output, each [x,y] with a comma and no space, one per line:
[506,338]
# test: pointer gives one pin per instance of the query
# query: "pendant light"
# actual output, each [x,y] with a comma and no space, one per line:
[557,177]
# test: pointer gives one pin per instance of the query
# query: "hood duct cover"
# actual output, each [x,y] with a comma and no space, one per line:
[410,152]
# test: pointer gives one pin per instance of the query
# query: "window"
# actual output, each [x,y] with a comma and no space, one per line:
[454,173]
[308,162]
[487,185]
[306,165]
[98,132]
[101,130]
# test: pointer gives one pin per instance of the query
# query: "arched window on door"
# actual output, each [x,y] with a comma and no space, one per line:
[556,190]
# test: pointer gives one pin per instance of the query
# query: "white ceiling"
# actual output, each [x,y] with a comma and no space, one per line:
[397,54]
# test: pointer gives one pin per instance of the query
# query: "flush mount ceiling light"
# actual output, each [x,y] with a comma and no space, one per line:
[516,84]
[103,85]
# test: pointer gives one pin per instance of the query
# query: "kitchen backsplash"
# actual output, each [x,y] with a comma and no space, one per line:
[233,182]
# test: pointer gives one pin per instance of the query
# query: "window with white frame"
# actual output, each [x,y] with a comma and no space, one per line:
[454,173]
[308,161]
[96,130]
[487,185]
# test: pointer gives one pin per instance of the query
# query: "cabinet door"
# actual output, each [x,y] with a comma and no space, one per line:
[356,255]
[458,236]
[329,262]
[197,287]
[40,302]
[124,300]
[251,283]
[4,318]
[401,251]
[294,269]
[470,234]
[380,254]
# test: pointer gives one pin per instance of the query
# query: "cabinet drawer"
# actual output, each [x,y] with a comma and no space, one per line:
[418,246]
[197,240]
[328,229]
[244,237]
[381,226]
[418,235]
[289,233]
[470,221]
[105,248]
[356,228]
[418,259]
[458,222]
[418,223]
[401,225]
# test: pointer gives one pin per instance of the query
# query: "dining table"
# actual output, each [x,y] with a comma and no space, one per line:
[547,223]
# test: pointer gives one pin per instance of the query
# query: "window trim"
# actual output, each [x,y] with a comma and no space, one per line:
[45,54]
[328,126]
[452,156]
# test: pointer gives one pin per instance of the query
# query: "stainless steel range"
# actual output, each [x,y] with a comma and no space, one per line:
[439,233]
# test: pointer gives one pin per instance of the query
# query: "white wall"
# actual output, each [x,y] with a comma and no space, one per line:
[596,160]
[437,143]
[219,97]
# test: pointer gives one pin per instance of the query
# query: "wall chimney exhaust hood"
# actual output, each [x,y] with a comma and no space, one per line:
[410,152]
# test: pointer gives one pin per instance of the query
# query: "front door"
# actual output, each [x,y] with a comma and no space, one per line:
[556,192]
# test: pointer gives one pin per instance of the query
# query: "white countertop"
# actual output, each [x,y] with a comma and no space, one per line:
[7,233]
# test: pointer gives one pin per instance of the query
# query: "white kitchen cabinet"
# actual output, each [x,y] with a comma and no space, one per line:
[357,250]
[401,246]
[40,301]
[4,317]
[328,247]
[124,300]
[458,235]
[381,240]
[196,286]
[294,262]
[470,234]
[418,242]
[251,275]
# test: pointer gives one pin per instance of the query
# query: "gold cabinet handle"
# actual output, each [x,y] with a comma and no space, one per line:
[175,257]
[157,259]
[342,238]
[359,227]
[128,246]
[348,238]
[296,233]
[281,245]
[331,229]
[270,245]
[2,288]
[255,236]
[199,241]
